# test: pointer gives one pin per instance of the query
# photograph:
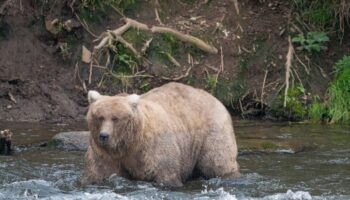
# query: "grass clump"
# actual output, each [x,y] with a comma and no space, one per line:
[337,107]
[325,14]
[339,92]
[317,111]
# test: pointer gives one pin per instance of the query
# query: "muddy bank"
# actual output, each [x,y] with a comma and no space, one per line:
[42,77]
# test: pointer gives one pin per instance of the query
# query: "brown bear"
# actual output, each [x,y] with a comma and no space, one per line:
[163,136]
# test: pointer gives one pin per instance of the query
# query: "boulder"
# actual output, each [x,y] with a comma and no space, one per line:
[71,141]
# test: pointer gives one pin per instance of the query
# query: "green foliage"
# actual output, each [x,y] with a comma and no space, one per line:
[339,92]
[295,108]
[95,11]
[268,146]
[146,85]
[337,108]
[318,12]
[103,5]
[123,60]
[64,50]
[312,42]
[211,82]
[136,37]
[230,92]
[317,111]
[330,15]
[163,47]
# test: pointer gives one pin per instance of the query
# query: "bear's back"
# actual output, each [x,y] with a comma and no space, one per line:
[187,103]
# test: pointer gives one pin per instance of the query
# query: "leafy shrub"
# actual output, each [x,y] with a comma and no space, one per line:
[312,42]
[295,106]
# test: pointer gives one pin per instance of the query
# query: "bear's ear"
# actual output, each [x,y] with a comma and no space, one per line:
[93,96]
[134,100]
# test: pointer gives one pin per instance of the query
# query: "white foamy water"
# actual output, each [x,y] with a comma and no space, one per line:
[41,189]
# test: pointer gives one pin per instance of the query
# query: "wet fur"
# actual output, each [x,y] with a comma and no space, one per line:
[171,131]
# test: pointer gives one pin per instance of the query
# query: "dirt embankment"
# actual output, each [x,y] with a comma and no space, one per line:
[38,77]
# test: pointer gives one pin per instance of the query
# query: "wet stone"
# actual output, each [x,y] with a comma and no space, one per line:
[71,141]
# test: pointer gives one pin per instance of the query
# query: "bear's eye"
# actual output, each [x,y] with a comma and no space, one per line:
[100,118]
[115,119]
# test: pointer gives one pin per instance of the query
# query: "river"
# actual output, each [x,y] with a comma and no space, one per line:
[322,172]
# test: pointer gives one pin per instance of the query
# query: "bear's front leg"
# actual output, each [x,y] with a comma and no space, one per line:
[99,168]
[169,179]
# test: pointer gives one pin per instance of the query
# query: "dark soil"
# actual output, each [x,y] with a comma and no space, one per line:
[37,83]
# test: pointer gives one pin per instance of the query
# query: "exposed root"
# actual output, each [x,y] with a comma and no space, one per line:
[235,2]
[307,69]
[289,58]
[12,98]
[146,46]
[4,6]
[128,45]
[179,77]
[172,59]
[109,37]
[130,23]
[85,26]
[263,88]
[156,8]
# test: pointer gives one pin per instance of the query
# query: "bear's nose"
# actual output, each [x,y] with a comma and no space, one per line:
[103,136]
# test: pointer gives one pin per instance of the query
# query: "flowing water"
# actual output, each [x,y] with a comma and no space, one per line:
[35,172]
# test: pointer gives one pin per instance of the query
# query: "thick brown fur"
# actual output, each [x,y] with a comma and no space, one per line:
[163,136]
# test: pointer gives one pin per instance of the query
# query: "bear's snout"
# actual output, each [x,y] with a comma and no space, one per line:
[104,136]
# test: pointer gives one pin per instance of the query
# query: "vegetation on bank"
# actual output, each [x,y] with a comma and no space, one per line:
[336,107]
[160,58]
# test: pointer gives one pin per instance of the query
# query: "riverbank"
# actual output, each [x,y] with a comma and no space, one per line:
[44,76]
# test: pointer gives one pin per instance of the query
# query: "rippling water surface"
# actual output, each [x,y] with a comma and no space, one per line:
[35,172]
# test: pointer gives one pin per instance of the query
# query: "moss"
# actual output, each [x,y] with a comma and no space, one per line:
[163,46]
[229,92]
[54,143]
[295,108]
[136,37]
[146,85]
[211,82]
[317,112]
[268,146]
[123,61]
[189,80]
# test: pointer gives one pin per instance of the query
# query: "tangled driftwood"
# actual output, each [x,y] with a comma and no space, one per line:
[107,38]
[130,23]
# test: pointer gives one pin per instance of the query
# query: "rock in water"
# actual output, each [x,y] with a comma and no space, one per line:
[71,141]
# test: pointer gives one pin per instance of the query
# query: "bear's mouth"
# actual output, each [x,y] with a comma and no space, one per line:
[103,142]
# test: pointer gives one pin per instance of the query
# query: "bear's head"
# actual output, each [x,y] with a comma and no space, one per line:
[114,122]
